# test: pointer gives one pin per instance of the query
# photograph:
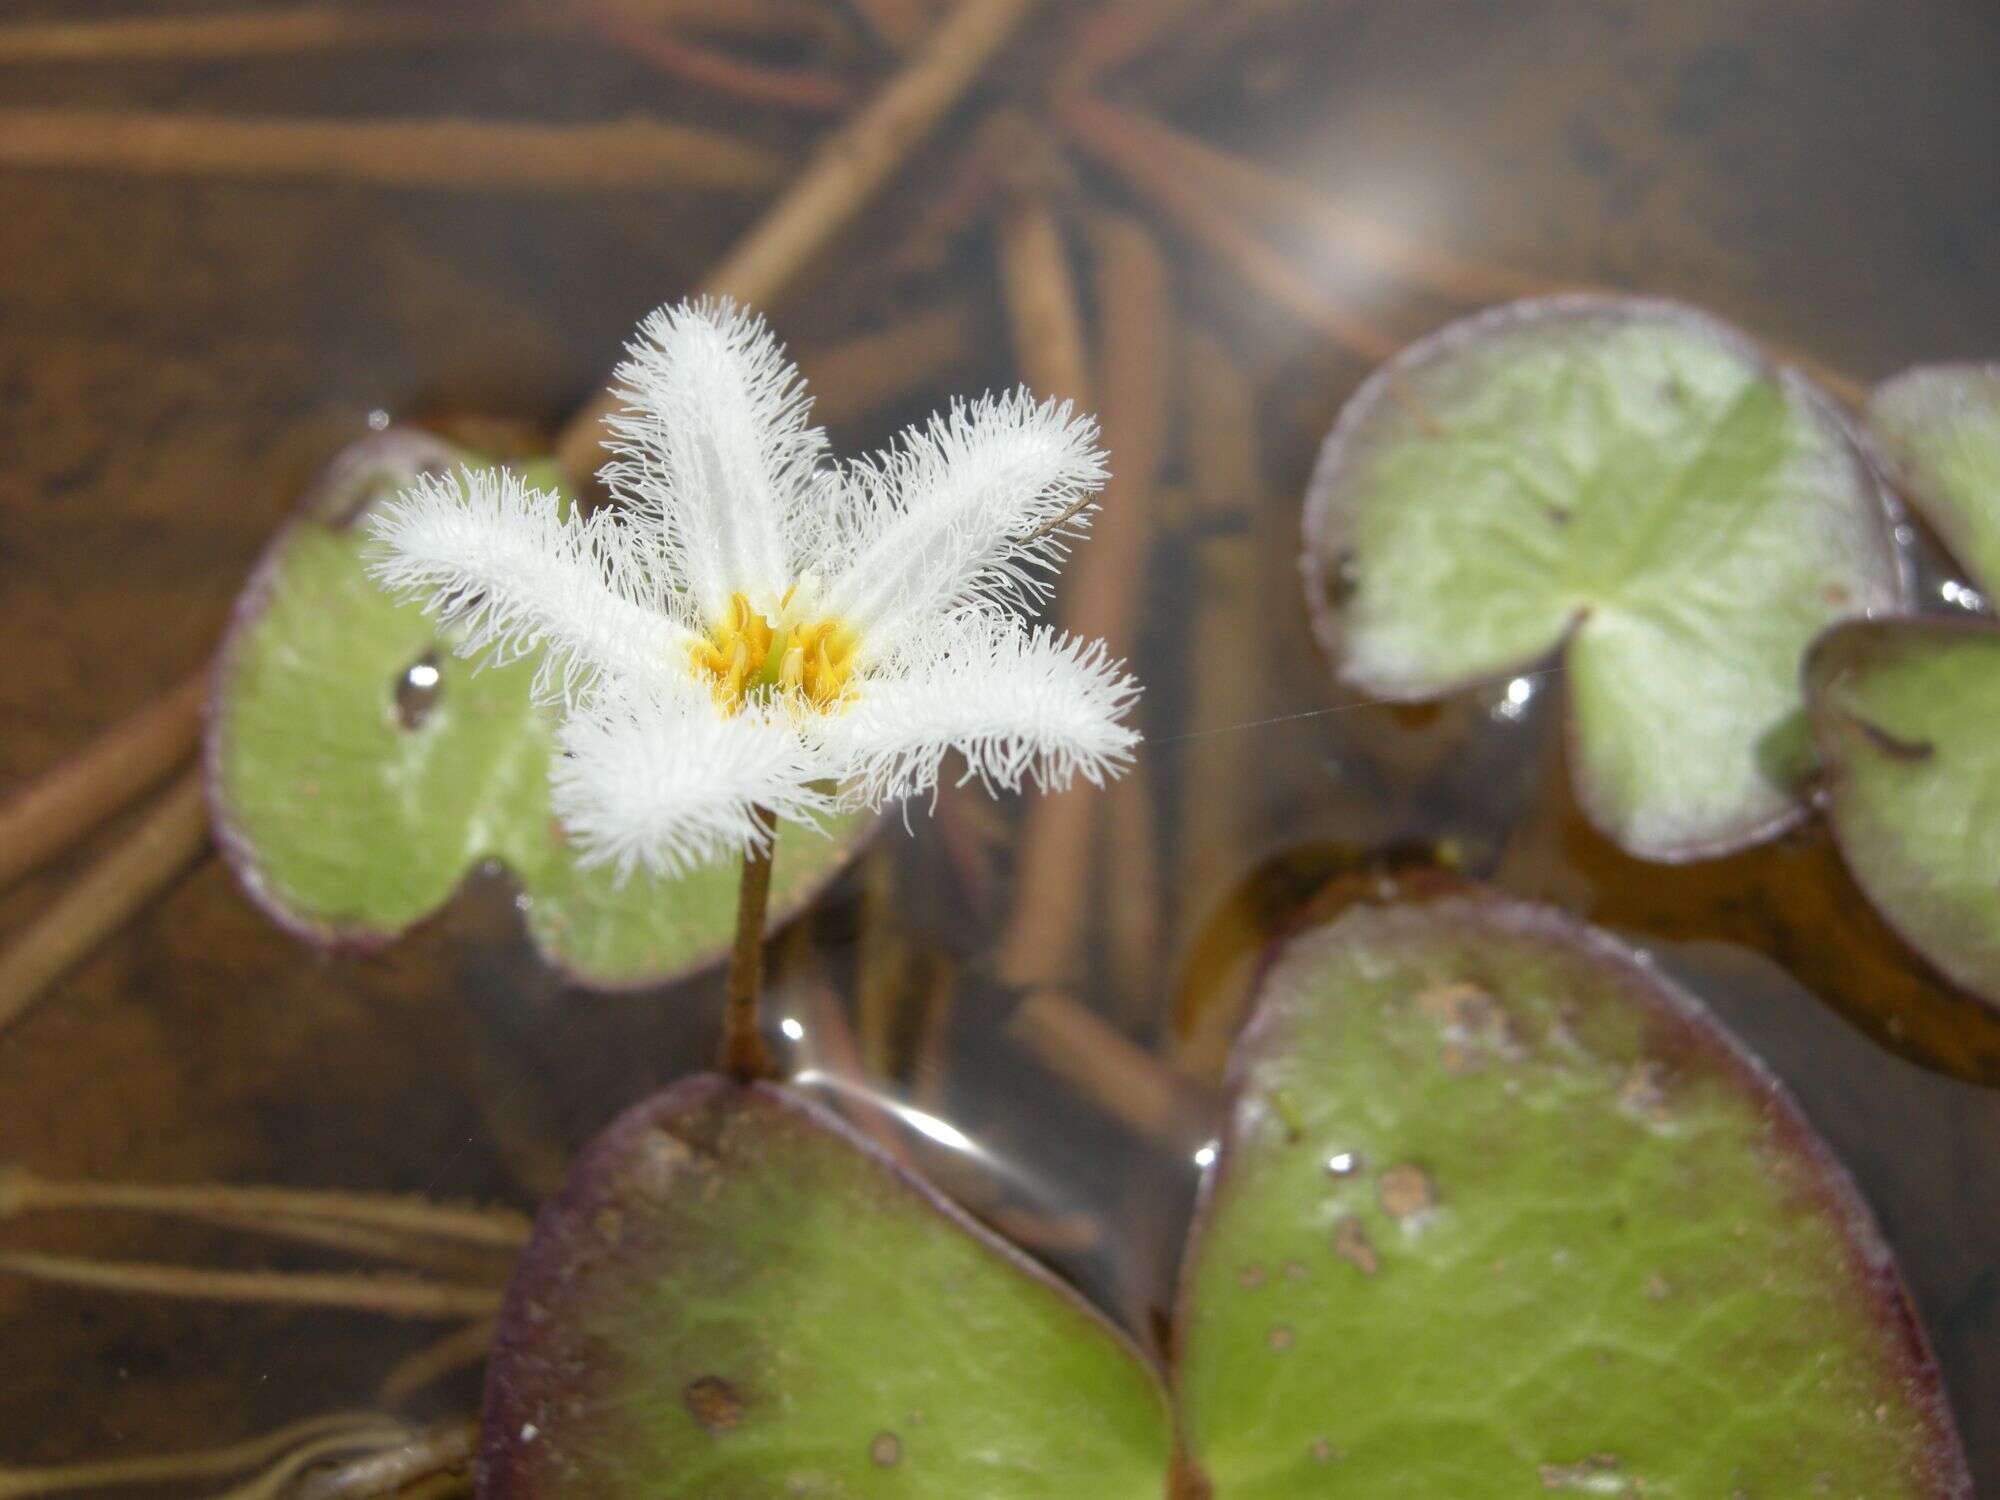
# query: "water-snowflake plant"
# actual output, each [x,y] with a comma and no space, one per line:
[754,632]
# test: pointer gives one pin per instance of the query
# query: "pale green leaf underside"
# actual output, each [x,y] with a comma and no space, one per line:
[1626,477]
[1939,426]
[350,820]
[1568,1242]
[735,1296]
[1906,716]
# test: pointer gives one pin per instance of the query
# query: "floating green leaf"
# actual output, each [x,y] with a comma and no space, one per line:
[735,1295]
[1906,715]
[1626,480]
[1939,428]
[1500,1212]
[359,769]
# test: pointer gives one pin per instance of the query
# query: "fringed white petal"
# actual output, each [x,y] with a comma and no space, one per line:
[1020,706]
[661,782]
[716,449]
[512,574]
[968,510]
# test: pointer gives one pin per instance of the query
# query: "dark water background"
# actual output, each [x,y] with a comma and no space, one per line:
[177,357]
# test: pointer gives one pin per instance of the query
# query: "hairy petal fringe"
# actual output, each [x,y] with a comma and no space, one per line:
[511,573]
[661,783]
[716,451]
[1021,706]
[971,509]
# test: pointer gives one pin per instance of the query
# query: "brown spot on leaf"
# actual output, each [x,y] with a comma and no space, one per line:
[714,1403]
[1350,1243]
[1644,1090]
[885,1450]
[1279,1337]
[1250,1277]
[1323,1452]
[1405,1190]
[1455,1003]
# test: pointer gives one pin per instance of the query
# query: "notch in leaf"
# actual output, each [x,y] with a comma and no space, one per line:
[1497,1212]
[1631,484]
[359,769]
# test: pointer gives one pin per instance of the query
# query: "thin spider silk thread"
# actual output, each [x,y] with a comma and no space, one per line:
[1338,708]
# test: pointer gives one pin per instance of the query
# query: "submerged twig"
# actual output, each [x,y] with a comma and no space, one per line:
[202,1463]
[858,375]
[50,814]
[1256,190]
[278,1479]
[804,89]
[386,1294]
[1118,32]
[170,836]
[898,24]
[1157,152]
[440,1449]
[439,1360]
[499,1228]
[882,964]
[456,1260]
[1042,304]
[1230,681]
[838,1069]
[965,189]
[625,155]
[847,170]
[1229,677]
[1187,203]
[1053,874]
[197,38]
[1100,1062]
[319,28]
[929,1069]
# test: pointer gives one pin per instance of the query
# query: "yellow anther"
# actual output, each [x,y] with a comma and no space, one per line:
[745,655]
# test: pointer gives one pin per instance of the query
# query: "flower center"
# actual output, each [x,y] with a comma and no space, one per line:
[745,656]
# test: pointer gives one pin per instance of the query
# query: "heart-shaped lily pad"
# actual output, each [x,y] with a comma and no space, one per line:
[1629,481]
[1938,427]
[735,1295]
[358,769]
[1497,1212]
[1500,1212]
[1906,717]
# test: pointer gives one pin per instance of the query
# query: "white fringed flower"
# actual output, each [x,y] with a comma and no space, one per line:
[752,627]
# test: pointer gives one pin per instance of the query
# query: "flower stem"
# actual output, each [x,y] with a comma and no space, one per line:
[744,1055]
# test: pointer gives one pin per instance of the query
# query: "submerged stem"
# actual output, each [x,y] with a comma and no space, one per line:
[744,1055]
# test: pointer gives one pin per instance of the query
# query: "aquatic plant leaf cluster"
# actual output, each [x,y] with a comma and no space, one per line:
[1906,720]
[1937,428]
[1632,484]
[360,770]
[1498,1211]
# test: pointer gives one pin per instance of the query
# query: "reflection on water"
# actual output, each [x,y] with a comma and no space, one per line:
[178,357]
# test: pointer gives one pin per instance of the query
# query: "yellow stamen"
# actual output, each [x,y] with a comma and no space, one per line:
[744,656]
